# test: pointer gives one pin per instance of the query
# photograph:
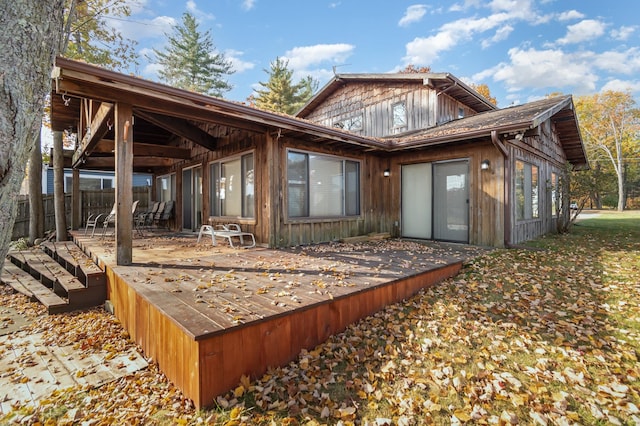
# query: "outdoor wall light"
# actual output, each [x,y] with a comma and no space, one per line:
[485,165]
[386,173]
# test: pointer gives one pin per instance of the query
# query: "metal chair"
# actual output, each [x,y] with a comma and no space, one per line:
[94,219]
[111,217]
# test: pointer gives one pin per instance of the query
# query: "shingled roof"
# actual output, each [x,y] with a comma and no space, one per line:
[515,119]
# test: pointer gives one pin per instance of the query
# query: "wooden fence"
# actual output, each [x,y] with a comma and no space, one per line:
[91,202]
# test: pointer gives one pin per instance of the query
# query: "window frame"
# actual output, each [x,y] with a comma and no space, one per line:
[247,206]
[354,123]
[345,162]
[526,184]
[395,125]
[160,191]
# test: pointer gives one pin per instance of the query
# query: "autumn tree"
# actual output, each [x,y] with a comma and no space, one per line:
[89,36]
[610,126]
[190,60]
[280,94]
[411,69]
[484,90]
[24,83]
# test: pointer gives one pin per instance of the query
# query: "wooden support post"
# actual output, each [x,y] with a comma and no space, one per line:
[124,183]
[76,205]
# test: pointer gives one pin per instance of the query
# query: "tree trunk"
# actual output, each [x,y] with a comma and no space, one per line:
[58,187]
[621,189]
[29,41]
[36,209]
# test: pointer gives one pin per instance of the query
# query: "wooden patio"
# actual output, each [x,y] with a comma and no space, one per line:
[209,315]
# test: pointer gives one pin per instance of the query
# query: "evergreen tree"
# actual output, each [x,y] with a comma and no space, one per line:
[280,94]
[190,61]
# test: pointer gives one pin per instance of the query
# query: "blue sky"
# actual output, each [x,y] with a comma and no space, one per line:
[522,49]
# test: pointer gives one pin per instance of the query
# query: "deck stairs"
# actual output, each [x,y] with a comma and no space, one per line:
[57,274]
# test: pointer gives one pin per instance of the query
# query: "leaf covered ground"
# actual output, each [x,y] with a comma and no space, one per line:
[548,335]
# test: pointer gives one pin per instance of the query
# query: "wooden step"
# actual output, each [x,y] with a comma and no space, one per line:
[45,269]
[77,262]
[22,282]
[25,260]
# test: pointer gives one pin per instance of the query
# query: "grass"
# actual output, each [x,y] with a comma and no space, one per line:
[544,336]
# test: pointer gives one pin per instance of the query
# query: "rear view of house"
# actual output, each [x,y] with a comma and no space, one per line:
[415,155]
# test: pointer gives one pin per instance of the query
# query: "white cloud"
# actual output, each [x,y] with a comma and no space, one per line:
[501,34]
[424,50]
[151,71]
[570,15]
[622,33]
[624,62]
[621,86]
[544,69]
[587,29]
[305,56]
[141,29]
[192,7]
[248,4]
[414,13]
[238,65]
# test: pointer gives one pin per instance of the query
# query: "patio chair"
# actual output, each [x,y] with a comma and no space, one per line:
[94,219]
[111,218]
[145,218]
[228,231]
[162,218]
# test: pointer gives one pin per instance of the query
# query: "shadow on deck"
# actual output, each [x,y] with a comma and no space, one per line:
[209,315]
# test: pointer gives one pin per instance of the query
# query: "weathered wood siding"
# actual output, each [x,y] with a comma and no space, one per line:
[486,188]
[425,107]
[375,215]
[541,149]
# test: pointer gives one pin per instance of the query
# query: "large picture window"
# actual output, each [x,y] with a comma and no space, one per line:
[232,187]
[527,191]
[322,186]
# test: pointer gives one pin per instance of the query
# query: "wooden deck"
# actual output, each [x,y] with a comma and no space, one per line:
[209,315]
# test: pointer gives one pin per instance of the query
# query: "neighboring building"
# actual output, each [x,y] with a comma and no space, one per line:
[416,155]
[89,179]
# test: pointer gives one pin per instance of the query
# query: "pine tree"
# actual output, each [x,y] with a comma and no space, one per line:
[190,61]
[280,94]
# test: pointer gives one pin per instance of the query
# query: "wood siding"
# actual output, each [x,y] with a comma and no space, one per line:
[486,188]
[374,101]
[541,149]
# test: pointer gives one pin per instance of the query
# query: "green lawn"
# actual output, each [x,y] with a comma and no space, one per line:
[548,335]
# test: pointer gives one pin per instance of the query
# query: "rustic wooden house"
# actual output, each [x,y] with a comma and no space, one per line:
[460,169]
[415,155]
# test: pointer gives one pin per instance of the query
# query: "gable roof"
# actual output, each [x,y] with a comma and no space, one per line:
[442,82]
[518,119]
[160,109]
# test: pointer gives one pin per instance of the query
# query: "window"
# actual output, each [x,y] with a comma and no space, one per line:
[353,124]
[527,194]
[166,187]
[554,194]
[232,187]
[88,183]
[322,186]
[399,115]
[460,112]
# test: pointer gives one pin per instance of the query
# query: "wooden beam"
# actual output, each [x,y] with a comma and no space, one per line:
[107,146]
[124,183]
[181,128]
[109,163]
[499,144]
[97,129]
